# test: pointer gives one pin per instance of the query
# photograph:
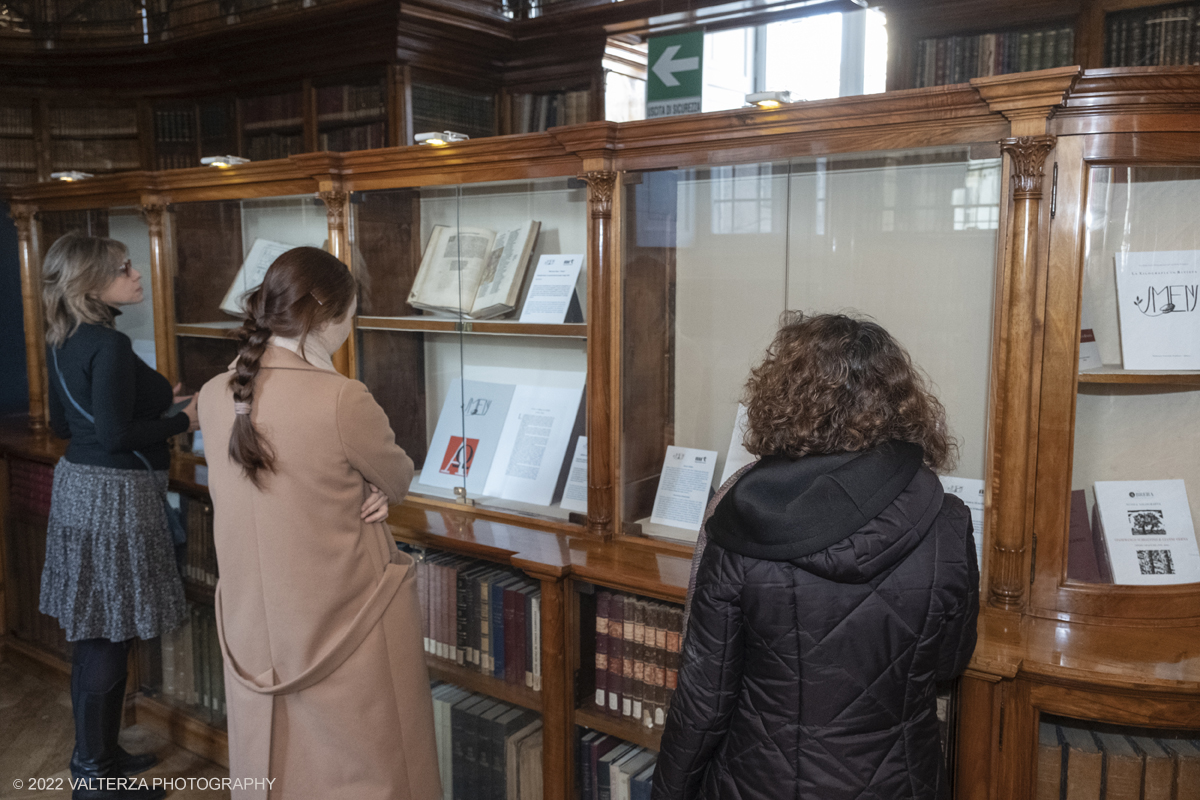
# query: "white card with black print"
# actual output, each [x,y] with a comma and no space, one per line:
[1148,531]
[683,488]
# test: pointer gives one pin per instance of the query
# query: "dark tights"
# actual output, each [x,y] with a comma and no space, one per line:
[98,665]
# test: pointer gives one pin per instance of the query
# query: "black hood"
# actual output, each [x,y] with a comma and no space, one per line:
[791,509]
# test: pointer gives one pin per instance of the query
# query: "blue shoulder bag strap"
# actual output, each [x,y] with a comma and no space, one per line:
[178,531]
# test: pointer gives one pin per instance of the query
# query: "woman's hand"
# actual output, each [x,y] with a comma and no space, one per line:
[375,507]
[190,409]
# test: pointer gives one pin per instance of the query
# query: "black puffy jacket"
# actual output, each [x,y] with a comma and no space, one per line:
[833,593]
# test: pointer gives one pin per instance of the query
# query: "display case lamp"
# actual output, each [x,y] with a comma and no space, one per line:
[440,137]
[223,162]
[72,175]
[768,99]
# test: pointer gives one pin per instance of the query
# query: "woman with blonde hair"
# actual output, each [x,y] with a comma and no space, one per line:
[834,584]
[317,611]
[110,573]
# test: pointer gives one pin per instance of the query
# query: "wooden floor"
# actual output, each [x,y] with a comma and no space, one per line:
[37,732]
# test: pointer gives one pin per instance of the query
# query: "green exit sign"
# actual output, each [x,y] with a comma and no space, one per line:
[676,76]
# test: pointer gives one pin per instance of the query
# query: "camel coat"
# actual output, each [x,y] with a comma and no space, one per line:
[317,612]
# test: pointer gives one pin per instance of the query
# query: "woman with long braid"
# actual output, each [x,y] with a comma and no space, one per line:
[317,611]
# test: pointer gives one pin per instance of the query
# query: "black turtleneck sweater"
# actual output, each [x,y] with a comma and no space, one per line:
[126,397]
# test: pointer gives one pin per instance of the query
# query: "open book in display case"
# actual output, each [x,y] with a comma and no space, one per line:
[977,222]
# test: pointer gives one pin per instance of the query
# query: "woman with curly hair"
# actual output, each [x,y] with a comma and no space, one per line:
[833,586]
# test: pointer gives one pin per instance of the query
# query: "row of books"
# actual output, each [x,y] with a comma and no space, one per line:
[349,103]
[483,617]
[638,643]
[1153,37]
[16,120]
[358,137]
[537,112]
[191,665]
[273,145]
[607,768]
[17,154]
[175,160]
[31,484]
[437,107]
[200,562]
[487,750]
[957,59]
[1078,763]
[175,126]
[93,121]
[95,154]
[273,111]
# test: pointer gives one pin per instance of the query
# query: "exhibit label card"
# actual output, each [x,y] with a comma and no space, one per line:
[683,488]
[1147,527]
[575,494]
[970,491]
[1157,300]
[467,435]
[533,443]
[737,456]
[551,289]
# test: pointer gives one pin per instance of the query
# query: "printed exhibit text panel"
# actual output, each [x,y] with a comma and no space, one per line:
[1135,477]
[907,238]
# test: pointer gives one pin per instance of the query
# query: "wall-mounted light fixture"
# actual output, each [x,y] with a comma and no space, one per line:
[440,137]
[73,175]
[223,162]
[768,99]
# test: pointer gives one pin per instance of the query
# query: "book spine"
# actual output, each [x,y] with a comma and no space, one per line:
[473,614]
[537,641]
[527,606]
[451,621]
[658,659]
[511,661]
[674,645]
[1023,59]
[485,623]
[602,603]
[423,593]
[498,654]
[461,593]
[940,70]
[639,659]
[458,736]
[616,615]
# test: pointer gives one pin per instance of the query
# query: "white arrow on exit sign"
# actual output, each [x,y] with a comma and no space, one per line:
[667,65]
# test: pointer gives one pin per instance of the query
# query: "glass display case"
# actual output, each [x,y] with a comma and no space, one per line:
[471,334]
[212,242]
[713,257]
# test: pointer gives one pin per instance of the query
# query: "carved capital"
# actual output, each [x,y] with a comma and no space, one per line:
[600,192]
[22,216]
[153,214]
[335,208]
[1028,154]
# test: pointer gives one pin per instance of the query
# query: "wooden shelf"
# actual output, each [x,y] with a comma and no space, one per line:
[489,326]
[620,727]
[443,670]
[208,330]
[1110,374]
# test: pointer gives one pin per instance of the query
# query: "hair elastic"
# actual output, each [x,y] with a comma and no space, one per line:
[241,408]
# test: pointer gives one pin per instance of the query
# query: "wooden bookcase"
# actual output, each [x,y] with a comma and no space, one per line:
[990,177]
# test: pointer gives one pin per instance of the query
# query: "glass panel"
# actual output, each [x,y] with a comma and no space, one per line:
[213,244]
[1141,277]
[447,272]
[908,238]
[128,226]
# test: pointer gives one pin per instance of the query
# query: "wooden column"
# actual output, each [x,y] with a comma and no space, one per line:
[601,352]
[557,700]
[1009,573]
[339,244]
[154,210]
[1027,100]
[31,301]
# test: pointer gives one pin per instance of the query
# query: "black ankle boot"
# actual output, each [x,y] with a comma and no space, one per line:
[94,769]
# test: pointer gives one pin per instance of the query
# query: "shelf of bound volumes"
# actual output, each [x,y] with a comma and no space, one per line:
[957,59]
[1162,35]
[609,768]
[488,749]
[1081,759]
